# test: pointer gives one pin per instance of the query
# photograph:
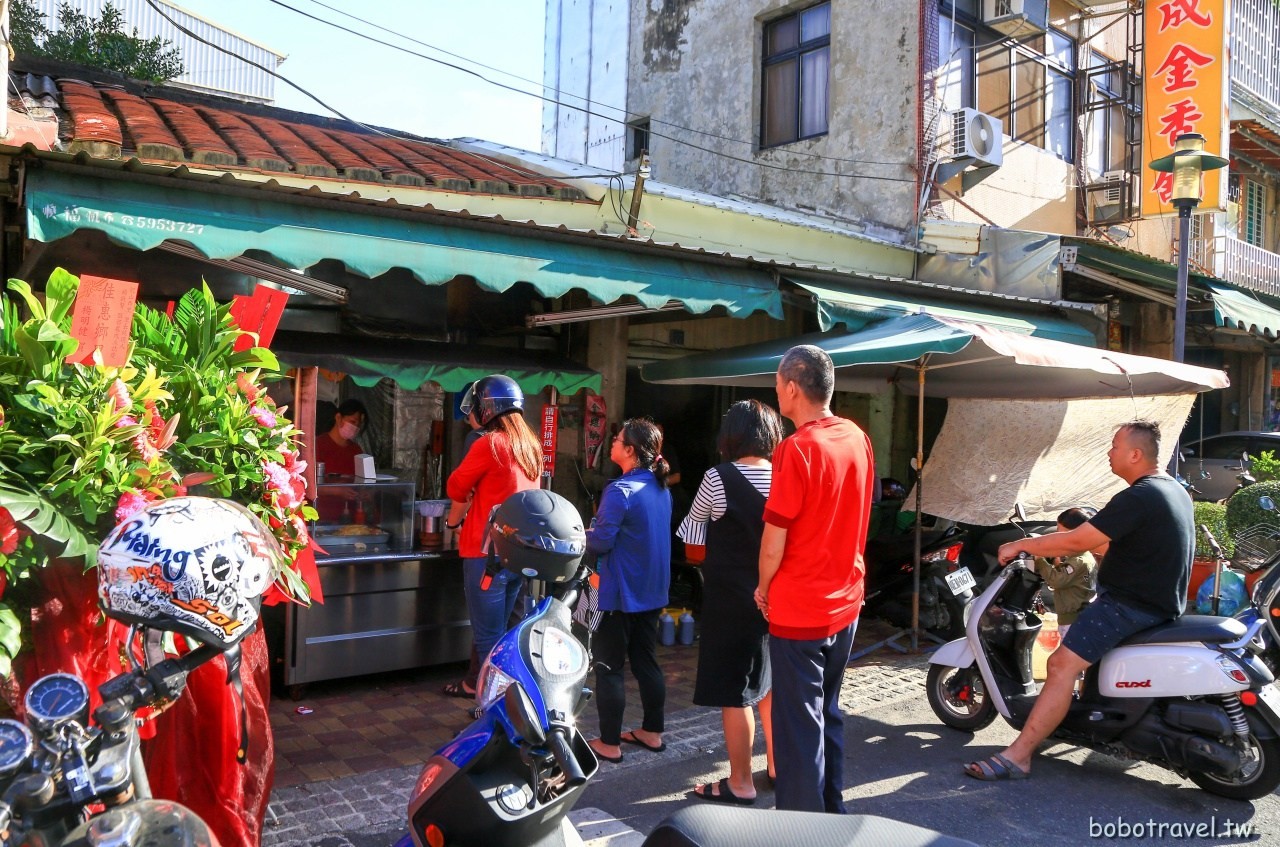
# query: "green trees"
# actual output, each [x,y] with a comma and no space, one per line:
[101,42]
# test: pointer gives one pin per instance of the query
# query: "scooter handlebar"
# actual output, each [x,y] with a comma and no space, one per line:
[564,757]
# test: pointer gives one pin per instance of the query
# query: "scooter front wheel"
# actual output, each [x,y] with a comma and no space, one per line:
[959,697]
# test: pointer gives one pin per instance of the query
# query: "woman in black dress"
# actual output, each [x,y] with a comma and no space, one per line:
[733,661]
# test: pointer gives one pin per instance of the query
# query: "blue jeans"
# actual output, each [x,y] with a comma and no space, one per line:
[488,610]
[808,726]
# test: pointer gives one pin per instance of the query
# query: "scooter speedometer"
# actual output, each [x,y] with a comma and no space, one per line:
[561,652]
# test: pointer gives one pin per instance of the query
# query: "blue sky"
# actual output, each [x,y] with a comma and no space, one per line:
[379,85]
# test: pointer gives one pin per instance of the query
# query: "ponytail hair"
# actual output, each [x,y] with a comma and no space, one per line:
[643,436]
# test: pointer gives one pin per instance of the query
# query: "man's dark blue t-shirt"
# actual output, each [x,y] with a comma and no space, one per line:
[1152,532]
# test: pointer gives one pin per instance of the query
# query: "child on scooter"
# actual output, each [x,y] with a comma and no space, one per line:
[1071,578]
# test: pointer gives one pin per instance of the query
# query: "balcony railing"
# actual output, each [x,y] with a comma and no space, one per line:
[1255,43]
[1239,263]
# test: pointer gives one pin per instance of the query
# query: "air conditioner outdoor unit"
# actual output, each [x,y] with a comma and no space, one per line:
[978,136]
[1110,197]
[1016,18]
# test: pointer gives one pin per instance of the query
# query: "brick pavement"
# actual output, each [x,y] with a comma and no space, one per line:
[345,771]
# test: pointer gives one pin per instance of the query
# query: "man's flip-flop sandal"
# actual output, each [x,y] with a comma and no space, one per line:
[724,795]
[995,769]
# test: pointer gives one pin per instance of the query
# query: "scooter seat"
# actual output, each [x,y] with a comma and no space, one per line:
[1203,628]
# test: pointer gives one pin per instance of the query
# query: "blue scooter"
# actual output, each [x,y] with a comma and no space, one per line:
[512,776]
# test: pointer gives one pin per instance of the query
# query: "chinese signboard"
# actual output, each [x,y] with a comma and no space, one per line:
[1185,90]
[550,415]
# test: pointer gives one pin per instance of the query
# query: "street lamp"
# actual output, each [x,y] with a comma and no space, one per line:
[1187,163]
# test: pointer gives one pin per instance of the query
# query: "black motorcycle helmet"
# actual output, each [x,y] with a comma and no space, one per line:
[538,534]
[490,397]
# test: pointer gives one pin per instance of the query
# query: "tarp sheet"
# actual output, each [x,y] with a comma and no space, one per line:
[1048,455]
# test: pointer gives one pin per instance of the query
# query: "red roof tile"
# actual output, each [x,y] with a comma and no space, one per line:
[112,121]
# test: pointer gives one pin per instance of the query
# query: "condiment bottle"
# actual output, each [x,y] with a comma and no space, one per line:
[359,515]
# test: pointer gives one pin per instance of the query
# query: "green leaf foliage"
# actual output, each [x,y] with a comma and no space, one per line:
[101,42]
[1213,516]
[1244,512]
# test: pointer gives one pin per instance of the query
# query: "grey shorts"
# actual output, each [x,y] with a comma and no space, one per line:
[1103,624]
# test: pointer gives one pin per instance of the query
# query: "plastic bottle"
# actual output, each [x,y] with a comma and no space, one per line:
[685,632]
[666,629]
[359,515]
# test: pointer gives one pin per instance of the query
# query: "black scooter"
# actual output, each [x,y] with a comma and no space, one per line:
[945,586]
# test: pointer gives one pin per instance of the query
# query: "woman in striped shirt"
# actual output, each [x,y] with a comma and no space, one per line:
[733,661]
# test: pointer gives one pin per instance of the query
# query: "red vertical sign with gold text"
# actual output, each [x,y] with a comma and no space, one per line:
[1184,90]
[550,418]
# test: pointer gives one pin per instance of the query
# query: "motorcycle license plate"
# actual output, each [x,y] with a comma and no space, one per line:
[960,581]
[1269,695]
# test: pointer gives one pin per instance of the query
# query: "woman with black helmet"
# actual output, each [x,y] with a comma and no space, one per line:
[632,537]
[506,458]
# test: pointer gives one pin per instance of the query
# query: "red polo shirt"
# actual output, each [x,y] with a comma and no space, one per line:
[823,475]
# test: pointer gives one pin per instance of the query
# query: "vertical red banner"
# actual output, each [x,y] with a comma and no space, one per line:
[259,313]
[102,319]
[550,431]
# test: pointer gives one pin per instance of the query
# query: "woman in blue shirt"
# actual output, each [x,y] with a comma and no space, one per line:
[632,536]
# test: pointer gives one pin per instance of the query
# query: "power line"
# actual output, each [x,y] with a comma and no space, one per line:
[626,115]
[512,88]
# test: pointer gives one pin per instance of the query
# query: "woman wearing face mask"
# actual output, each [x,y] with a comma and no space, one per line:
[337,451]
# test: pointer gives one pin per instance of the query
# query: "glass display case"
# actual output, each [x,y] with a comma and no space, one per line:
[361,514]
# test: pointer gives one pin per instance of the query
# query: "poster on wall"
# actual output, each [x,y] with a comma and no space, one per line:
[1184,90]
[595,427]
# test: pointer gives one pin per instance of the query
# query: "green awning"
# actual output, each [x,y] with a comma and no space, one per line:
[838,305]
[960,360]
[371,242]
[1243,310]
[410,364]
[1131,266]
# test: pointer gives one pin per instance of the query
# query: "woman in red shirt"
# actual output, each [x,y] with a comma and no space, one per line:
[337,451]
[506,458]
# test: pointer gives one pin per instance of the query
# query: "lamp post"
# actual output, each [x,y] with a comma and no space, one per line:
[1187,163]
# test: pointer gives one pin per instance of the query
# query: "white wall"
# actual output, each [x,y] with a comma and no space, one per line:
[585,74]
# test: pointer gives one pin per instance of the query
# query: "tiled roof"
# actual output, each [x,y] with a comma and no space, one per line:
[173,126]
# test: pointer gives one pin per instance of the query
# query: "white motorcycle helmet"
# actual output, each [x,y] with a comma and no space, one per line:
[193,565]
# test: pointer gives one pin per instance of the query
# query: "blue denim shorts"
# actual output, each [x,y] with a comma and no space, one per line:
[1103,624]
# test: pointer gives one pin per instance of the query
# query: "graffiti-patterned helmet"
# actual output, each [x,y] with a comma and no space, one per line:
[193,565]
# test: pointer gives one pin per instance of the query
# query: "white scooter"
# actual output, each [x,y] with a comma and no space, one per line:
[1191,695]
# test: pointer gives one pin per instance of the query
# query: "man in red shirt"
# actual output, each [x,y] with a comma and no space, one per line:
[811,578]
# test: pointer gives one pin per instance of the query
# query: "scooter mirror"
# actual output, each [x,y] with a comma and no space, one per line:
[1020,512]
[1266,503]
[523,716]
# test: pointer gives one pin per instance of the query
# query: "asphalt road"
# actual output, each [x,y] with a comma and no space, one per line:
[901,763]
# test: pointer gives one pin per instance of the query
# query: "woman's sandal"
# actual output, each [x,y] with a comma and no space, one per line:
[456,689]
[723,794]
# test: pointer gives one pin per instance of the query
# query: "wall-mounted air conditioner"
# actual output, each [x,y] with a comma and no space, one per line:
[976,135]
[1110,198]
[1016,18]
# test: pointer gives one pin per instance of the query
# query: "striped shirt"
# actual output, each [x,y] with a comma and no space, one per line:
[709,503]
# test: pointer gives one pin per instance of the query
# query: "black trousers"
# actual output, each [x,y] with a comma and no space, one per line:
[623,637]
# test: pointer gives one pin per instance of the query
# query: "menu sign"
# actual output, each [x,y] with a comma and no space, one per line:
[102,319]
[550,419]
[1185,90]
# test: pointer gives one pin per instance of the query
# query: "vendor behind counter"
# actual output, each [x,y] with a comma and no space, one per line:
[337,451]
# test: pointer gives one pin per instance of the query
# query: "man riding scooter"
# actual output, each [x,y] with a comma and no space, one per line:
[1142,582]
